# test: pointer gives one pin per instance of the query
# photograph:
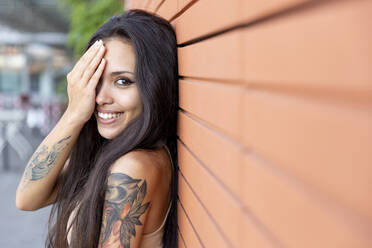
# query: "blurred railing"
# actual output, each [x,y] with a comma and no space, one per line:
[22,128]
[11,122]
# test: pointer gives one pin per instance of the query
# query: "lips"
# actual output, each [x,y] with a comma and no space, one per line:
[108,117]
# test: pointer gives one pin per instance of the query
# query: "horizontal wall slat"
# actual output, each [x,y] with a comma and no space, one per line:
[295,59]
[216,152]
[183,3]
[216,103]
[185,228]
[153,5]
[215,58]
[297,219]
[252,236]
[207,16]
[137,4]
[224,209]
[168,9]
[181,243]
[207,231]
[323,145]
[328,46]
[132,4]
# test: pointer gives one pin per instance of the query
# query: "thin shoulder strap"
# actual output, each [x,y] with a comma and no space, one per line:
[170,156]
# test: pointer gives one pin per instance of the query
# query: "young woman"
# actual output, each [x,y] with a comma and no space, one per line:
[109,166]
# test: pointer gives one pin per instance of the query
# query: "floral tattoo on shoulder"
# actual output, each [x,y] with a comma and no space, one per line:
[122,209]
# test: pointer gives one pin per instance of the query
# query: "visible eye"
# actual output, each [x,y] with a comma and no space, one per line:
[124,81]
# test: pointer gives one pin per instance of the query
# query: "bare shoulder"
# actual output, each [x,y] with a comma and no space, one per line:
[139,162]
[131,192]
[149,165]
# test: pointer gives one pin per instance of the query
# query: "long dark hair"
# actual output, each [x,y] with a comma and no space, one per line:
[156,73]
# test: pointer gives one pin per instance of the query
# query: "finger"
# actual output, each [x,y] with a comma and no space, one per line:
[88,72]
[97,74]
[86,58]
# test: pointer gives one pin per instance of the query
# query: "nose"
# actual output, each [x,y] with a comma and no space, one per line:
[103,95]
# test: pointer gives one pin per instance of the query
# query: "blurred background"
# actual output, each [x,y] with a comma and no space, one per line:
[39,42]
[274,128]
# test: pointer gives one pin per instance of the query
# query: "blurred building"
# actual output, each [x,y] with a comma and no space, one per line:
[33,60]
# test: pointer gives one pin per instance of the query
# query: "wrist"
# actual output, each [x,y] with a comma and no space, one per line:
[72,118]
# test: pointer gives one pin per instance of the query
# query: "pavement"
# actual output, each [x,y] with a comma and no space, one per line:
[26,229]
[19,228]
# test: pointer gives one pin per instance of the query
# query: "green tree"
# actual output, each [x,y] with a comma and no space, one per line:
[85,18]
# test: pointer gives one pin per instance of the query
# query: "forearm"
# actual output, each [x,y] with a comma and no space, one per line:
[41,173]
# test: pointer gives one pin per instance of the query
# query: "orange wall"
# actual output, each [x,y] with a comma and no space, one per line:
[275,122]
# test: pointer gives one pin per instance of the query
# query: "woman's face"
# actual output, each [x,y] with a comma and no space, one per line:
[117,100]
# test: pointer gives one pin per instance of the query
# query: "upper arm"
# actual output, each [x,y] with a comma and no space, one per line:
[129,191]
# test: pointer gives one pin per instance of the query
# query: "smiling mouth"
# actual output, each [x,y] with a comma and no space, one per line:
[109,116]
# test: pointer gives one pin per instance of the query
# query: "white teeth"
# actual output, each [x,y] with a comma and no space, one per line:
[107,116]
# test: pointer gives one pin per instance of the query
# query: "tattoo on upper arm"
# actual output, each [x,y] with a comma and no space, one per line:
[122,210]
[42,161]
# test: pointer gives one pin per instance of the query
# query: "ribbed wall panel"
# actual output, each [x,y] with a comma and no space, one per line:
[275,122]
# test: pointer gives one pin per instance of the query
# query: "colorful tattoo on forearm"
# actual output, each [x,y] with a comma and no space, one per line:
[122,210]
[42,161]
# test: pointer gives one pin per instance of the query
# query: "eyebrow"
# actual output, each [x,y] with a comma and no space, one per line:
[114,73]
